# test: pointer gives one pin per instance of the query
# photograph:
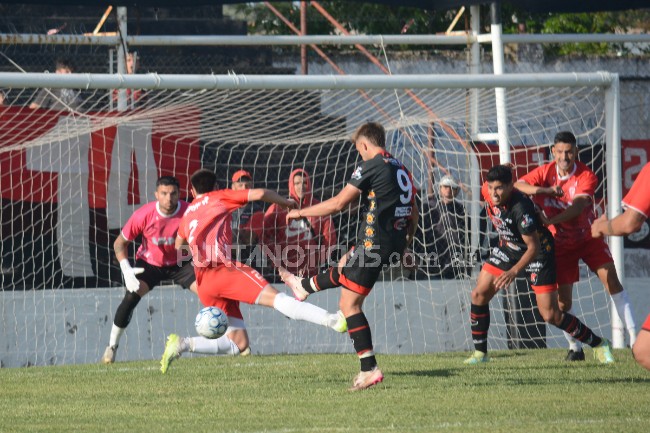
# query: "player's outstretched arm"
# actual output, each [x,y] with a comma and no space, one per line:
[529,189]
[328,207]
[268,196]
[628,222]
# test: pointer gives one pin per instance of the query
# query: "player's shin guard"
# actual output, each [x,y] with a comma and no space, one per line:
[359,331]
[578,330]
[322,281]
[125,310]
[479,318]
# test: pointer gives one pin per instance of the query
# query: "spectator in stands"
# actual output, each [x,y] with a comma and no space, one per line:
[305,242]
[247,221]
[58,99]
[132,95]
[445,223]
[2,98]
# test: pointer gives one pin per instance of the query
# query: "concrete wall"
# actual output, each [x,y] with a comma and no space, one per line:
[56,327]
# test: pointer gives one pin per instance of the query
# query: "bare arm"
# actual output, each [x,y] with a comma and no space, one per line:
[268,196]
[579,204]
[328,207]
[120,246]
[532,249]
[529,189]
[628,222]
[415,218]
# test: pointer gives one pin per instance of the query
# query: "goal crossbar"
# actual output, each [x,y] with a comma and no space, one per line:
[298,82]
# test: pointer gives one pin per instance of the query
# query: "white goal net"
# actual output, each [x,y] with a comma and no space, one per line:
[71,176]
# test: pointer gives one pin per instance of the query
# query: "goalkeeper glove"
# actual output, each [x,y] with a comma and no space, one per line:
[130,280]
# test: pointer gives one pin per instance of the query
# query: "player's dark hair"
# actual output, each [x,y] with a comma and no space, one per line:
[204,180]
[565,137]
[373,132]
[501,173]
[168,181]
[64,62]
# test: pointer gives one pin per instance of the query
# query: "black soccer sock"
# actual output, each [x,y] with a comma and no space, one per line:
[322,281]
[479,318]
[359,331]
[578,330]
[125,310]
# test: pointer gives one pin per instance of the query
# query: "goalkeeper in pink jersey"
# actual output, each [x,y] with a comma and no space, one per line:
[564,189]
[156,260]
[637,209]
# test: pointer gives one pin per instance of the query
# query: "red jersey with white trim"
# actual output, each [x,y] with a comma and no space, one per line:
[158,233]
[206,226]
[638,197]
[582,182]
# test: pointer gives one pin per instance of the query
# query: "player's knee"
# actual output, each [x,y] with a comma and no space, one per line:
[565,305]
[551,315]
[478,297]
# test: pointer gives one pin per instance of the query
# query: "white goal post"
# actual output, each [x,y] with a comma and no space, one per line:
[71,178]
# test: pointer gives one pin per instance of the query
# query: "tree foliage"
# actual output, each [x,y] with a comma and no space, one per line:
[371,18]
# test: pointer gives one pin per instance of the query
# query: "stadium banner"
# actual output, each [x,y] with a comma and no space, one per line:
[65,198]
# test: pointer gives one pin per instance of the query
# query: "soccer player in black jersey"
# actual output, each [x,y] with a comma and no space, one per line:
[389,222]
[524,245]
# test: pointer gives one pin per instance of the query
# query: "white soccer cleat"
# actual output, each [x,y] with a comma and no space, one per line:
[109,354]
[366,379]
[294,283]
[246,352]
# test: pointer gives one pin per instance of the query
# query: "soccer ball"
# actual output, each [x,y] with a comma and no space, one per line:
[211,322]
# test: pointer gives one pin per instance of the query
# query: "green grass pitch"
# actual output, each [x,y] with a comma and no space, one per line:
[519,391]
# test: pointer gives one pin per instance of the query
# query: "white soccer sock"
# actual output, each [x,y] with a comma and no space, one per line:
[574,344]
[297,310]
[219,346]
[624,310]
[116,334]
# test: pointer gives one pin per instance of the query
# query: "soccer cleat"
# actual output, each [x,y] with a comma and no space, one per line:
[172,352]
[245,352]
[366,379]
[341,325]
[575,355]
[603,352]
[294,283]
[109,354]
[477,357]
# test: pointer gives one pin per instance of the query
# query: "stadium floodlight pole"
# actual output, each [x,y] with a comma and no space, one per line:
[614,194]
[499,92]
[121,55]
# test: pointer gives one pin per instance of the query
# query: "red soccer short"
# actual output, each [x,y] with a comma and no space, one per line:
[593,251]
[225,286]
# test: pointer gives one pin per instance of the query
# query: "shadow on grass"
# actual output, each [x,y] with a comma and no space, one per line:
[427,373]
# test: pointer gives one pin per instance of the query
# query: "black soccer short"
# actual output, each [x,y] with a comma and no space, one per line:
[154,275]
[364,266]
[541,272]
